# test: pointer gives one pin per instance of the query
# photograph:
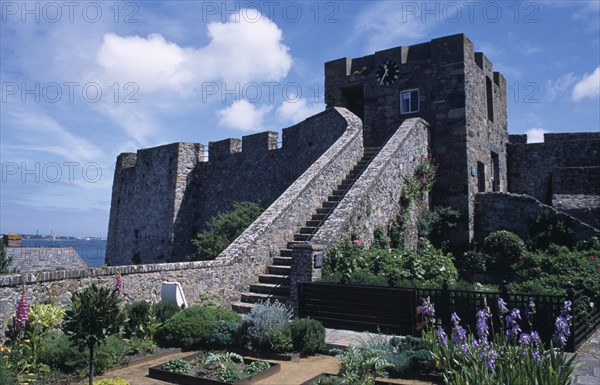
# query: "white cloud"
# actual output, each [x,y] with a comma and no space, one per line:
[560,86]
[243,115]
[238,51]
[588,86]
[390,23]
[535,135]
[297,110]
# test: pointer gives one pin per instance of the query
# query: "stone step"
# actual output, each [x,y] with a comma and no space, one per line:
[301,237]
[307,230]
[242,307]
[329,205]
[282,261]
[292,243]
[258,297]
[344,187]
[318,217]
[335,197]
[313,223]
[279,269]
[270,288]
[323,211]
[286,253]
[277,279]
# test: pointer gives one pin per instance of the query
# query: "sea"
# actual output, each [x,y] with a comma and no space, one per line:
[92,251]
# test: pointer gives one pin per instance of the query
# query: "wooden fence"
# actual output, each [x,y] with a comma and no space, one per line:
[394,310]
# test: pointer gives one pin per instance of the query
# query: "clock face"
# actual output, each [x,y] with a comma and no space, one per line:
[387,73]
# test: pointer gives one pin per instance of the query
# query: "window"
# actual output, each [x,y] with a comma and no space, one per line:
[409,101]
[495,172]
[489,92]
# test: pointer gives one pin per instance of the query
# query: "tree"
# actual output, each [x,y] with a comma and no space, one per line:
[93,315]
[225,228]
[5,260]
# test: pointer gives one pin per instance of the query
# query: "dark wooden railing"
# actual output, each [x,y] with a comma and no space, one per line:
[397,310]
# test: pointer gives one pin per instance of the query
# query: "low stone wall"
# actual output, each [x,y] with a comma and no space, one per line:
[229,274]
[497,211]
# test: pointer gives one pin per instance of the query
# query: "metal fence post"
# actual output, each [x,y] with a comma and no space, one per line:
[571,293]
[445,310]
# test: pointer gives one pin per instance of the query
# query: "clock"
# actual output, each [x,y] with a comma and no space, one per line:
[387,73]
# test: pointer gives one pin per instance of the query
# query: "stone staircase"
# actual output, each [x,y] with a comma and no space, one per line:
[275,284]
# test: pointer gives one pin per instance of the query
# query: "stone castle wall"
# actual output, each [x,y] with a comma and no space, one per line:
[163,196]
[497,211]
[235,269]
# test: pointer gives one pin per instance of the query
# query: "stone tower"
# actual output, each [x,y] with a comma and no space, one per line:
[454,88]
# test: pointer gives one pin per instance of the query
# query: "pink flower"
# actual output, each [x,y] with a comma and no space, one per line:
[357,242]
[22,310]
[592,258]
[119,284]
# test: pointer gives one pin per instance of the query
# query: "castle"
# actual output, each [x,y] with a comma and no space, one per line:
[384,112]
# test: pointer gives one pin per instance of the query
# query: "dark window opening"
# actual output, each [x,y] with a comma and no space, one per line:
[495,172]
[480,177]
[489,92]
[409,101]
[355,101]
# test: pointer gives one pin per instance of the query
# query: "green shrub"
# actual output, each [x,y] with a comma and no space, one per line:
[308,335]
[223,332]
[111,381]
[136,345]
[475,261]
[189,328]
[165,310]
[177,366]
[546,230]
[380,239]
[5,260]
[264,317]
[7,375]
[224,228]
[435,225]
[407,355]
[59,352]
[137,312]
[280,339]
[504,248]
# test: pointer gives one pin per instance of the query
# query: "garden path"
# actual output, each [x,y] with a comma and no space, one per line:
[588,356]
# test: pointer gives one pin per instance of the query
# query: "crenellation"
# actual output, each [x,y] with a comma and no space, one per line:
[259,144]
[223,149]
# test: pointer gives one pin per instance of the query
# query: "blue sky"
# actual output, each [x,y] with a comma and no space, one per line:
[85,81]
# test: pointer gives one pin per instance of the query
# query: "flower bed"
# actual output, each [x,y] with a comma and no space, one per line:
[205,369]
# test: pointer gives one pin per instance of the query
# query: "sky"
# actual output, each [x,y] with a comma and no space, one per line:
[82,82]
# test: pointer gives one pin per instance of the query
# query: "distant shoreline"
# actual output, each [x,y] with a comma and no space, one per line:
[92,251]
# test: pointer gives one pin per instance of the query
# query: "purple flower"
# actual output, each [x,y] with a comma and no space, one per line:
[562,328]
[535,338]
[455,319]
[515,314]
[459,334]
[22,310]
[530,309]
[428,310]
[441,337]
[524,339]
[535,355]
[482,326]
[464,349]
[502,306]
[491,359]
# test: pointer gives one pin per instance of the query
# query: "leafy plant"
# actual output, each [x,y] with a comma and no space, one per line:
[264,317]
[93,315]
[361,367]
[136,345]
[280,339]
[223,332]
[421,182]
[513,358]
[406,355]
[164,310]
[189,328]
[308,335]
[177,366]
[475,261]
[224,228]
[137,313]
[546,230]
[8,376]
[5,260]
[230,367]
[435,225]
[111,381]
[504,248]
